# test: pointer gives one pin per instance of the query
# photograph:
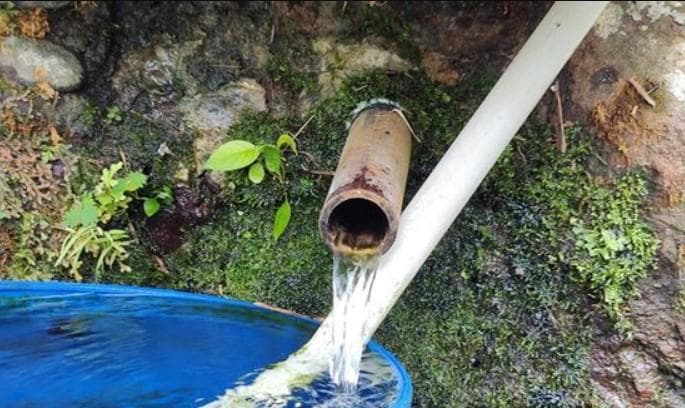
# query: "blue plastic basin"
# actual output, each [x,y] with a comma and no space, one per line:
[82,345]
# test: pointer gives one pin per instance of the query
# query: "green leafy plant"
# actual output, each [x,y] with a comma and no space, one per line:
[113,115]
[151,205]
[614,248]
[590,229]
[114,194]
[282,219]
[241,154]
[86,218]
[107,246]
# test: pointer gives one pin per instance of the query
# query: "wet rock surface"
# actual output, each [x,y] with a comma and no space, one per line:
[464,33]
[646,369]
[31,61]
[221,109]
[645,42]
[150,75]
[87,33]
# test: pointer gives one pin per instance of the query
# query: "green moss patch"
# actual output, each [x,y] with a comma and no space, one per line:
[500,315]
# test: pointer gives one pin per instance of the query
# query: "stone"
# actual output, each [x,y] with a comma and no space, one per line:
[72,112]
[644,41]
[212,114]
[220,110]
[342,60]
[30,61]
[150,71]
[41,4]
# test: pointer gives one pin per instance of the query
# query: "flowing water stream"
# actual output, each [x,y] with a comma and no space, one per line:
[353,278]
[354,377]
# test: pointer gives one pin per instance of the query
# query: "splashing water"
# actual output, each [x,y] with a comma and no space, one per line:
[353,278]
[354,378]
[378,387]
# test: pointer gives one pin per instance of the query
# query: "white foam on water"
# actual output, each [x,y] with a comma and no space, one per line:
[354,379]
[378,387]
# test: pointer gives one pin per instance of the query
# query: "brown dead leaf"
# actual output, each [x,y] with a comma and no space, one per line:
[674,199]
[8,120]
[33,23]
[6,247]
[439,68]
[599,114]
[55,138]
[7,26]
[45,91]
[618,121]
[85,5]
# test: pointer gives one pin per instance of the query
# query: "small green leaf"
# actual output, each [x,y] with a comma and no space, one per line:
[256,173]
[272,158]
[83,212]
[282,219]
[165,193]
[233,155]
[134,181]
[151,206]
[104,199]
[118,192]
[286,140]
[107,177]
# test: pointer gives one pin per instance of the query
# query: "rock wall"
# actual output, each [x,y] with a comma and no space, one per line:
[641,42]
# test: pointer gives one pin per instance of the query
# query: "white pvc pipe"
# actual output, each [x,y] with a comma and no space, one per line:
[458,174]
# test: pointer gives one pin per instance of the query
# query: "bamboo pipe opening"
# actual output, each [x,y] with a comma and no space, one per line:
[361,212]
[359,224]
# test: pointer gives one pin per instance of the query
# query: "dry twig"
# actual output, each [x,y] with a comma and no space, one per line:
[523,157]
[321,173]
[561,139]
[303,127]
[122,154]
[643,93]
[601,160]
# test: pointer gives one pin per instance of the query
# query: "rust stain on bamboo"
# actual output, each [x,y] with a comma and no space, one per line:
[371,177]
